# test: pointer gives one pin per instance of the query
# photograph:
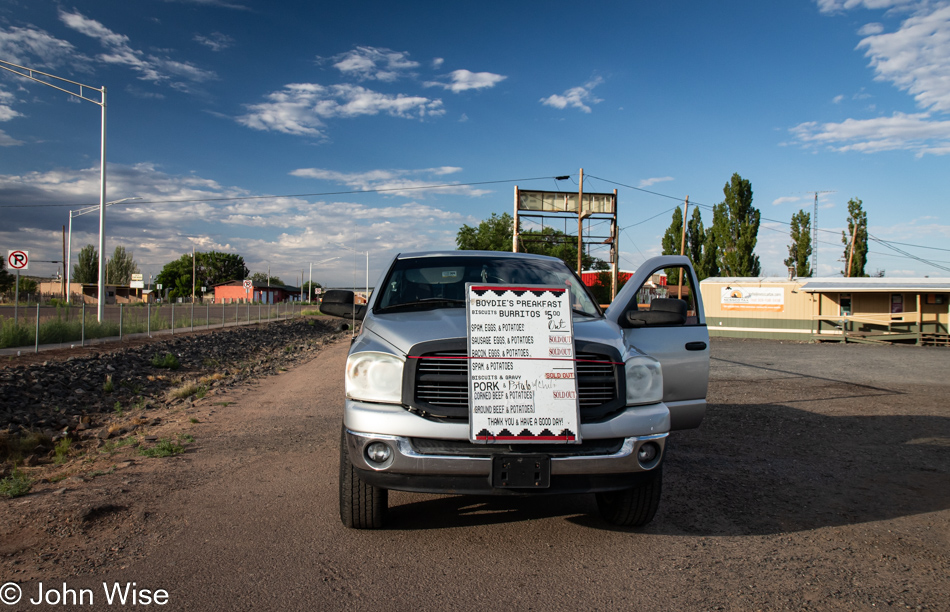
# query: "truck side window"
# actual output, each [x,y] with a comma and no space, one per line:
[668,290]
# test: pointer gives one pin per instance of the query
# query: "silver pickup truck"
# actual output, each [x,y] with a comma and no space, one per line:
[642,368]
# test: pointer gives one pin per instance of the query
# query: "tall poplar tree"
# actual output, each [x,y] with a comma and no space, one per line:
[799,251]
[120,267]
[86,270]
[858,234]
[671,243]
[735,230]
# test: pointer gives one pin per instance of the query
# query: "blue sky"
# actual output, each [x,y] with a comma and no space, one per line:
[272,102]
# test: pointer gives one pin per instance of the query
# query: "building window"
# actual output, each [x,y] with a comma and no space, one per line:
[897,303]
[844,305]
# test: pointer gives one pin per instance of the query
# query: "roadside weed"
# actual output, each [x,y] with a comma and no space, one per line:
[16,484]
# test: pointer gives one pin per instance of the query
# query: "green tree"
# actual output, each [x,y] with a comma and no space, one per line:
[120,267]
[495,234]
[696,242]
[799,251]
[735,230]
[86,270]
[215,267]
[210,269]
[492,234]
[857,235]
[6,279]
[263,278]
[671,243]
[308,288]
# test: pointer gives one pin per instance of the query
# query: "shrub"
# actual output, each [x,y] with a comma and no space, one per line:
[16,484]
[163,448]
[168,361]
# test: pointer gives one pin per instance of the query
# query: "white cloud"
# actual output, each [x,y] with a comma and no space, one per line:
[21,45]
[282,232]
[576,97]
[216,41]
[8,141]
[372,63]
[837,99]
[437,63]
[786,200]
[915,132]
[406,183]
[118,51]
[302,108]
[653,181]
[870,29]
[916,59]
[837,6]
[463,80]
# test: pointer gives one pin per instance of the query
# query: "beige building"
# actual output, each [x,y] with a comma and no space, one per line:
[911,310]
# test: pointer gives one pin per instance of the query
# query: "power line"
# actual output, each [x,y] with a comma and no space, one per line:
[295,195]
[888,244]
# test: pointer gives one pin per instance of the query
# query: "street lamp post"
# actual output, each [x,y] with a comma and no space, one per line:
[367,264]
[310,290]
[28,74]
[69,240]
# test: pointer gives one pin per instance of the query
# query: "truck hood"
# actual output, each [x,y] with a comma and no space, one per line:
[402,330]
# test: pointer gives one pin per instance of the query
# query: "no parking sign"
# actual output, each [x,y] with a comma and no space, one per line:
[18,260]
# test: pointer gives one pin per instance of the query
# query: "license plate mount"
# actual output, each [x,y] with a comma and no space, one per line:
[521,471]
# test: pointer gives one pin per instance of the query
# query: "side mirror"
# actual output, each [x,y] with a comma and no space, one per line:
[340,303]
[663,311]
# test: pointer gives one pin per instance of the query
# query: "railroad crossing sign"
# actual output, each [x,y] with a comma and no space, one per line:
[18,260]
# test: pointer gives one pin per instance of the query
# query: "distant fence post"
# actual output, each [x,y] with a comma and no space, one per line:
[120,322]
[173,318]
[148,319]
[37,350]
[223,314]
[82,338]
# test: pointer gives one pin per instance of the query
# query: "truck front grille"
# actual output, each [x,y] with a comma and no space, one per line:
[440,384]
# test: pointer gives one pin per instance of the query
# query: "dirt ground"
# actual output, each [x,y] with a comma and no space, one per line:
[820,479]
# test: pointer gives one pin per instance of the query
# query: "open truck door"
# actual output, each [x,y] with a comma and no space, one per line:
[661,312]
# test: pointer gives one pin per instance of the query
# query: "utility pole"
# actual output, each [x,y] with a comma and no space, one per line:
[580,223]
[194,268]
[65,274]
[679,289]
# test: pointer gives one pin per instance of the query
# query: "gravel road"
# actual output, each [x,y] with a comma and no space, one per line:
[820,479]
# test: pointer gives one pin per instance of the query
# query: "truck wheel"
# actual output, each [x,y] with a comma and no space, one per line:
[632,507]
[362,506]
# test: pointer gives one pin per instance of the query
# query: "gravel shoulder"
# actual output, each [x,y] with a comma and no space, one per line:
[820,479]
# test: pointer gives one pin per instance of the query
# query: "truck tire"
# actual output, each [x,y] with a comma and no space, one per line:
[632,507]
[362,506]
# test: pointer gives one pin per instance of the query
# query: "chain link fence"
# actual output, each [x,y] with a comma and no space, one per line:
[33,326]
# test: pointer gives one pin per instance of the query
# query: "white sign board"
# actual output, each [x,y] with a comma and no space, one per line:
[522,380]
[317,290]
[753,298]
[136,284]
[18,260]
[247,285]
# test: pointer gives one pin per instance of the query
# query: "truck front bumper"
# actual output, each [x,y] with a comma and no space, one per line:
[435,457]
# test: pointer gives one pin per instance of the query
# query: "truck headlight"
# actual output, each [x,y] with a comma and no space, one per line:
[374,377]
[644,380]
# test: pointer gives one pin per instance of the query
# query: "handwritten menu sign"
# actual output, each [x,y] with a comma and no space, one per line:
[522,381]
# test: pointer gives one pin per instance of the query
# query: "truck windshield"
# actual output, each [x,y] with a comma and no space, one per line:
[439,282]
